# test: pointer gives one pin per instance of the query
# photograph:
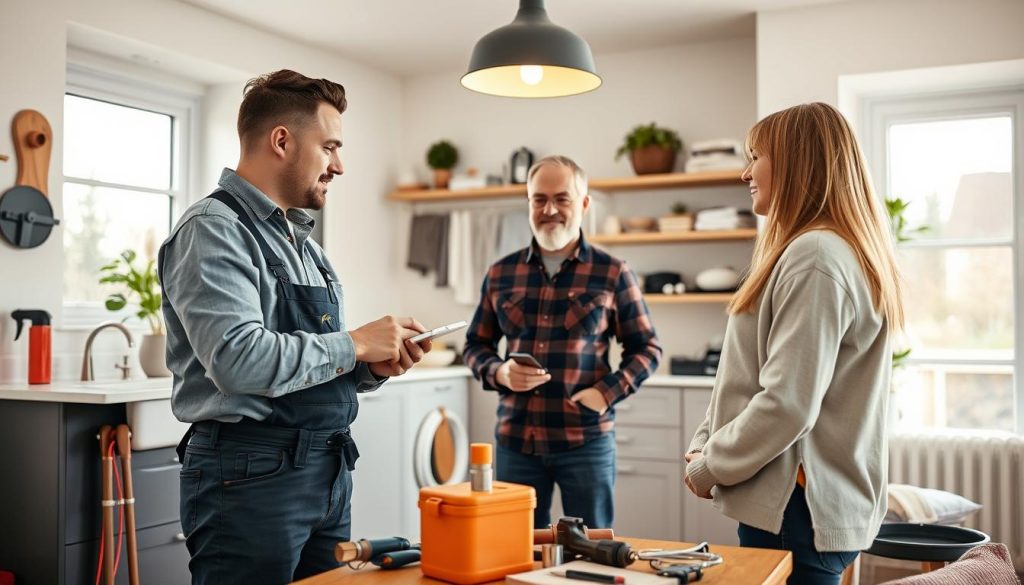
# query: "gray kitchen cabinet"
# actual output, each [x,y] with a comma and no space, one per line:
[701,521]
[652,431]
[50,496]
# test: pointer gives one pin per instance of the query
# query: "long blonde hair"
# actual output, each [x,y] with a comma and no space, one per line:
[819,181]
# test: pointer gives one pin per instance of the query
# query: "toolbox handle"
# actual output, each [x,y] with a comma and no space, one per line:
[432,506]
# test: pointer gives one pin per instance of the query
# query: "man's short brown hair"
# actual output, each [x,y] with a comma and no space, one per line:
[284,98]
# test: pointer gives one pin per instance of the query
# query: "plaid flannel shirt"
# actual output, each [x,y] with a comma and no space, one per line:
[566,322]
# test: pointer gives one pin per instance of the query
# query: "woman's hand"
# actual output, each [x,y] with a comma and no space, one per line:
[686,478]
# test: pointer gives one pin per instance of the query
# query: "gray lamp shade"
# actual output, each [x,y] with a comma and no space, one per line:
[531,57]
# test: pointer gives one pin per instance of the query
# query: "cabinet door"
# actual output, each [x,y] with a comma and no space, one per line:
[635,442]
[163,558]
[700,520]
[647,497]
[650,406]
[377,479]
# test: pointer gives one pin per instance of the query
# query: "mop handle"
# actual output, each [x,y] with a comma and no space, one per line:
[107,502]
[124,448]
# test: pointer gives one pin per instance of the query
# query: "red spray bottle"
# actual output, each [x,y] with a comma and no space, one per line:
[39,345]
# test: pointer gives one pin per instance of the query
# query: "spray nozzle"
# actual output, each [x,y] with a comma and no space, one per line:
[36,316]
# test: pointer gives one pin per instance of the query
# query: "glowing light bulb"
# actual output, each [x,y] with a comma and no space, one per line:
[531,74]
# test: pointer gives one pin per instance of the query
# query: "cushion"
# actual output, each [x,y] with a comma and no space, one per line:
[987,564]
[909,503]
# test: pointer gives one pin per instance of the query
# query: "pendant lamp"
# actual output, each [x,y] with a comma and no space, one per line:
[531,57]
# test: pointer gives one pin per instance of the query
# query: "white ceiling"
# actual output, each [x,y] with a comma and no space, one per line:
[409,37]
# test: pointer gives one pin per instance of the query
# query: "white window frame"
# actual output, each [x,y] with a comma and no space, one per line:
[879,113]
[183,106]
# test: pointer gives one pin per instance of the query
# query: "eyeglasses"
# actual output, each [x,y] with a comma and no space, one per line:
[560,201]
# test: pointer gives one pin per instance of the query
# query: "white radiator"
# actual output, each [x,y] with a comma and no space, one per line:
[985,467]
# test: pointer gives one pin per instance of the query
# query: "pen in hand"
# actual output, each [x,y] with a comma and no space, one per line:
[588,576]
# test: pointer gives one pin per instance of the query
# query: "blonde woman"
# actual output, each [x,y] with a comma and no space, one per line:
[793,444]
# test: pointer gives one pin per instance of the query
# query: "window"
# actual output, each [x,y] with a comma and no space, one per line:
[126,151]
[953,159]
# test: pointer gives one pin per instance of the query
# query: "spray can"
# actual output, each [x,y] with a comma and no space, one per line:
[481,477]
[40,353]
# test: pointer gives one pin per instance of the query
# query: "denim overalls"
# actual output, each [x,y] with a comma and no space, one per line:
[267,501]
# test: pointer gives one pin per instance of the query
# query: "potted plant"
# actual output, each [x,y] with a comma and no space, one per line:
[680,220]
[142,286]
[442,156]
[651,148]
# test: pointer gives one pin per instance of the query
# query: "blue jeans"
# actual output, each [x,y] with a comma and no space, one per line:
[259,512]
[810,567]
[585,476]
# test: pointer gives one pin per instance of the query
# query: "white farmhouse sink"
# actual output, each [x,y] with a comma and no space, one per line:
[153,425]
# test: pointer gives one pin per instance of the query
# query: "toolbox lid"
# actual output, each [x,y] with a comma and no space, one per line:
[461,494]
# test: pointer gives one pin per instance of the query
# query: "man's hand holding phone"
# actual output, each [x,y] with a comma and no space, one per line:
[521,373]
[384,346]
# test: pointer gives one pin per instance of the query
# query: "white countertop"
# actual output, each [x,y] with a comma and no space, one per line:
[122,391]
[680,382]
[136,390]
[102,392]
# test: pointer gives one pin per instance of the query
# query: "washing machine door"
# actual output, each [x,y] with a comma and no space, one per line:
[441,453]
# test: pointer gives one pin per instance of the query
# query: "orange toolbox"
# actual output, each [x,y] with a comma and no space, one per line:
[470,537]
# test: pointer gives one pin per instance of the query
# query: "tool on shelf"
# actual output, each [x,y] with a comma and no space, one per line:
[26,216]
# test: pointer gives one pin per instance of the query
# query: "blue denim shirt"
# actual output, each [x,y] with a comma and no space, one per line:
[219,302]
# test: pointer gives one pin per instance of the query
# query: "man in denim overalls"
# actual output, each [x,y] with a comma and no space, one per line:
[263,366]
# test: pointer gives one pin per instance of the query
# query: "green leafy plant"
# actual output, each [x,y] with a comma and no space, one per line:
[900,231]
[678,208]
[649,135]
[143,284]
[442,155]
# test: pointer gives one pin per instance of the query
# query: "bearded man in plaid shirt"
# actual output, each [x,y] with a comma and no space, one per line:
[561,300]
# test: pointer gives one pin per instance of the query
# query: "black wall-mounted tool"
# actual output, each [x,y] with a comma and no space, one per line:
[26,216]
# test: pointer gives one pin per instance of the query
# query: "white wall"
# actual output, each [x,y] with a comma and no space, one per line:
[32,278]
[704,91]
[802,53]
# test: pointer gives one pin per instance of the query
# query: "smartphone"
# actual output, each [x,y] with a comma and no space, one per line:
[525,359]
[442,330]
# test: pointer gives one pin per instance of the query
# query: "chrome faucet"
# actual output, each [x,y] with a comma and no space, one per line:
[87,373]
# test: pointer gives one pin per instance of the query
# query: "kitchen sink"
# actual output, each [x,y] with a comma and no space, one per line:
[153,425]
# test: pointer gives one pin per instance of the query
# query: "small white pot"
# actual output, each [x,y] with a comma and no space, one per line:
[153,356]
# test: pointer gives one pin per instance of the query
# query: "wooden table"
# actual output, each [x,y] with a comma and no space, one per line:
[742,566]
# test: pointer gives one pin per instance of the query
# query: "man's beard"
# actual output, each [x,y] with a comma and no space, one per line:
[310,197]
[555,239]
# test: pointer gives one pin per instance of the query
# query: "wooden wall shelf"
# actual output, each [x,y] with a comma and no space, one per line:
[688,298]
[639,182]
[672,237]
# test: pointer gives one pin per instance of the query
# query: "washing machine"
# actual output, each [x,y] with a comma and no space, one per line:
[436,449]
[400,450]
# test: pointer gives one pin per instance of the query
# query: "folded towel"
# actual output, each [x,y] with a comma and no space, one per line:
[428,246]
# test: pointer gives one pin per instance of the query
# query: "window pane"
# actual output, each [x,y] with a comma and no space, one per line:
[99,223]
[116,144]
[956,174]
[960,301]
[968,397]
